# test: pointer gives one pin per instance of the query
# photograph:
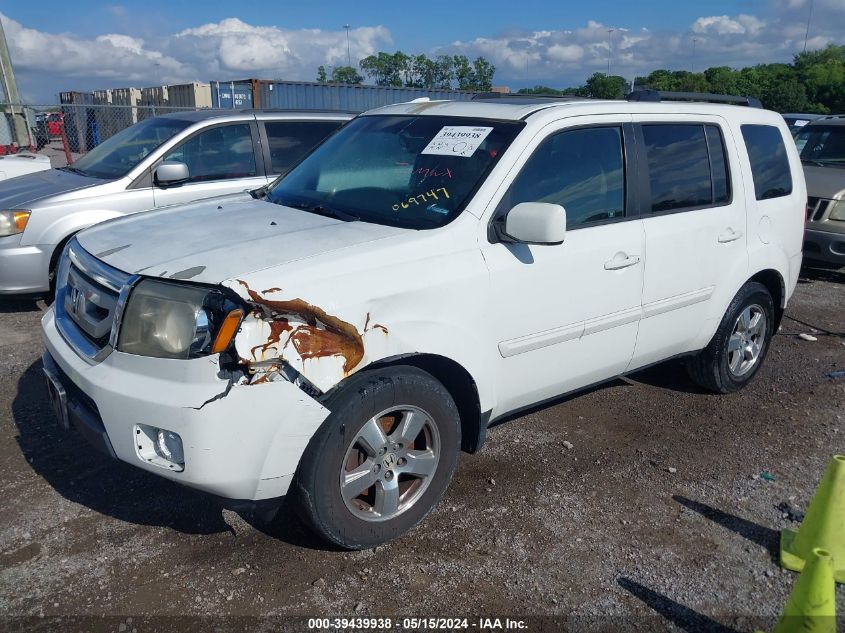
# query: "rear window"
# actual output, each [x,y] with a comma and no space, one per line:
[769,163]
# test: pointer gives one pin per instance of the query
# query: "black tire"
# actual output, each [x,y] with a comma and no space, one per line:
[316,490]
[710,368]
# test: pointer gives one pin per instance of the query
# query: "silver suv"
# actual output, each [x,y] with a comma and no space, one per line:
[822,148]
[158,162]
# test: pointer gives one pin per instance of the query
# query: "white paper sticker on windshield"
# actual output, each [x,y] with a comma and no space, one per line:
[800,123]
[457,140]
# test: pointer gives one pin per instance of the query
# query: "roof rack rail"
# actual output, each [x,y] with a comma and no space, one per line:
[482,96]
[656,96]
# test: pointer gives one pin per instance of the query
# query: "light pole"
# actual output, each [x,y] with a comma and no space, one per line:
[692,60]
[609,48]
[348,56]
[807,32]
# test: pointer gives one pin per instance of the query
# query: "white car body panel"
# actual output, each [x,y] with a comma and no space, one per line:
[16,165]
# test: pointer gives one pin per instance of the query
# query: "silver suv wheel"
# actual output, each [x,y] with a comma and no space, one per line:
[747,340]
[390,463]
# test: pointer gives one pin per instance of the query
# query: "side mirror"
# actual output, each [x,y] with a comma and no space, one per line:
[171,172]
[535,223]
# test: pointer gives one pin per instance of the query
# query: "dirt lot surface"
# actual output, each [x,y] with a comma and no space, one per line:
[642,502]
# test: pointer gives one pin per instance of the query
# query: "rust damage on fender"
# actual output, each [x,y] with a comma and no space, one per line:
[313,334]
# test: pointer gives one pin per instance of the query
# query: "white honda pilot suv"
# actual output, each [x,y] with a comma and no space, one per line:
[341,334]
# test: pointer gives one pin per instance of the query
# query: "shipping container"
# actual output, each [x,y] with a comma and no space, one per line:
[192,95]
[232,95]
[297,95]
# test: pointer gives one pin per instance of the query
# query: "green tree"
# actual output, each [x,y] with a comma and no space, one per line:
[462,72]
[321,74]
[482,75]
[444,72]
[602,86]
[346,75]
[382,69]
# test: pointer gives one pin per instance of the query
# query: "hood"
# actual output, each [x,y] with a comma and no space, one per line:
[825,182]
[212,241]
[23,191]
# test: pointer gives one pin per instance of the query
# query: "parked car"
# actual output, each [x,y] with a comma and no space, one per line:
[796,121]
[158,162]
[14,165]
[822,148]
[428,270]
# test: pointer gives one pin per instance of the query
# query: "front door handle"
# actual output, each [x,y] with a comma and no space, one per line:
[729,236]
[621,261]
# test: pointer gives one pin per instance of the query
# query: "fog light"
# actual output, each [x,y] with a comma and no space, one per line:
[159,447]
[169,446]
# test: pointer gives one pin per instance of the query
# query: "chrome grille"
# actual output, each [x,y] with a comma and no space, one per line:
[89,302]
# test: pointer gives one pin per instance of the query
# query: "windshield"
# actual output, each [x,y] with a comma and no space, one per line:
[115,157]
[410,171]
[822,145]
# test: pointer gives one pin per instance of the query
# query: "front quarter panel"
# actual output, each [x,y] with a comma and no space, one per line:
[422,293]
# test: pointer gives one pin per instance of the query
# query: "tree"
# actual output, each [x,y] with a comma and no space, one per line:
[602,86]
[383,69]
[482,75]
[321,74]
[462,72]
[346,75]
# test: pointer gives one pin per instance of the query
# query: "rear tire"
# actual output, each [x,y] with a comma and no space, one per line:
[393,433]
[737,350]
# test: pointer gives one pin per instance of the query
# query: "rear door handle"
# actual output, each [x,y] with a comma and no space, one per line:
[621,261]
[729,236]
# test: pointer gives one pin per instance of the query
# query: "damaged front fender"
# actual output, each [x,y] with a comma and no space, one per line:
[284,332]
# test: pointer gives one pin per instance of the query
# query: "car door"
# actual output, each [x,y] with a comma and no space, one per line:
[223,158]
[693,213]
[286,142]
[565,316]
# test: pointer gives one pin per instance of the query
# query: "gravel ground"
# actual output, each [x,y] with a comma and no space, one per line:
[642,501]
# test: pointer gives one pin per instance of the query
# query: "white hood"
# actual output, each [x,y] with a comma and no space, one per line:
[221,238]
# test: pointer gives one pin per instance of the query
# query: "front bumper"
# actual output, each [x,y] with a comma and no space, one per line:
[824,246]
[240,442]
[23,269]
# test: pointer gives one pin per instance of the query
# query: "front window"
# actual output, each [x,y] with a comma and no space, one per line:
[411,171]
[822,145]
[117,156]
[219,153]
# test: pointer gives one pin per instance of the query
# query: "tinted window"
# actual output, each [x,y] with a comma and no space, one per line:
[582,170]
[678,165]
[221,152]
[718,165]
[289,141]
[769,164]
[822,144]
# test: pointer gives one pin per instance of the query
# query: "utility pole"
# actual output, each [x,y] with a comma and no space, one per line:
[807,32]
[348,56]
[609,48]
[10,91]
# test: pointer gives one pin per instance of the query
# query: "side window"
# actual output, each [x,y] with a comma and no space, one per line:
[678,165]
[769,163]
[221,152]
[718,165]
[582,170]
[290,141]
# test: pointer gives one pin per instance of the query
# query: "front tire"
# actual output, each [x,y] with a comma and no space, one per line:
[737,350]
[381,461]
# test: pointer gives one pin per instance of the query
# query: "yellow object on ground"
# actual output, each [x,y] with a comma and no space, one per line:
[823,525]
[811,607]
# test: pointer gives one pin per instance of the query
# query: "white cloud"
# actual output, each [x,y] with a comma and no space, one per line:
[234,49]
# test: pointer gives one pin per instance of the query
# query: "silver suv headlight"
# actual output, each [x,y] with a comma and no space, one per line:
[838,211]
[172,320]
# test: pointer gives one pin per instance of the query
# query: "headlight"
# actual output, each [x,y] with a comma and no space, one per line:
[838,211]
[170,320]
[13,222]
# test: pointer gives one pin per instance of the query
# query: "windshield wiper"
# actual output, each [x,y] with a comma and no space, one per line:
[821,162]
[320,209]
[73,169]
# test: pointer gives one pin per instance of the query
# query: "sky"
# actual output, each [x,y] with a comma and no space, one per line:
[87,44]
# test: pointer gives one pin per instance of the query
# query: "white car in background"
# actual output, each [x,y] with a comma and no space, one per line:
[14,165]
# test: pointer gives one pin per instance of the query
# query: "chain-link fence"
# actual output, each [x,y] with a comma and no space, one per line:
[66,131]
